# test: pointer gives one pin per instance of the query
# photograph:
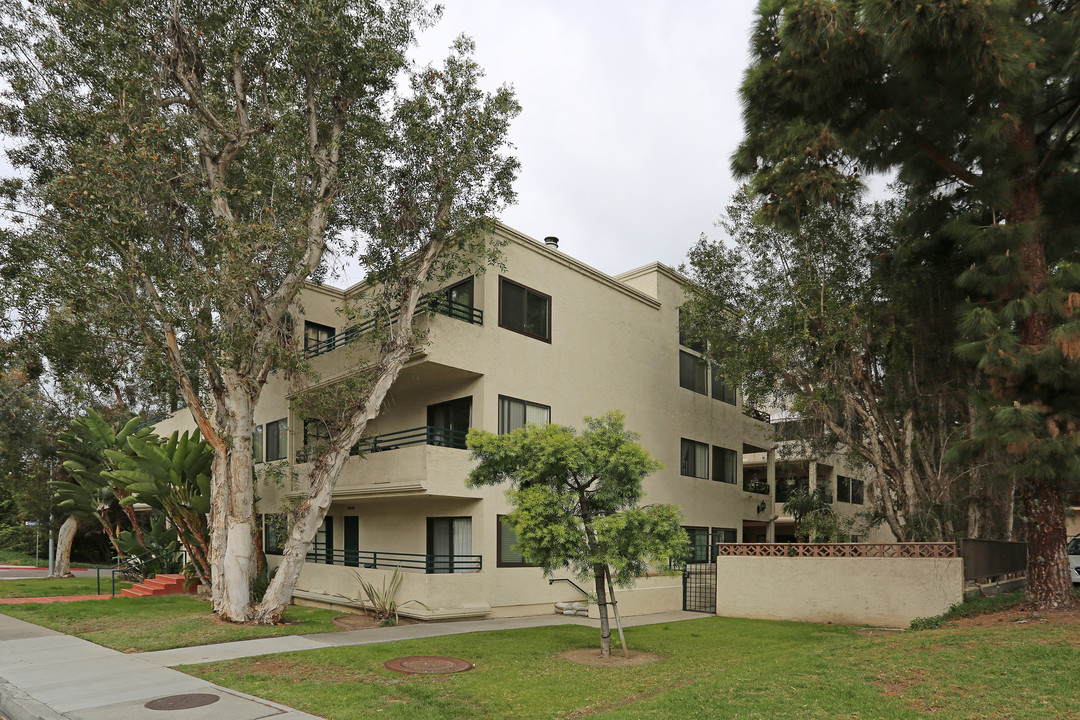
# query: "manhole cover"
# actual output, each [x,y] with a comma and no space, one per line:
[182,702]
[427,664]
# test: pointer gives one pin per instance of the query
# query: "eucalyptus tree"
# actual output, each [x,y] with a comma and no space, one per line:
[974,106]
[849,323]
[191,165]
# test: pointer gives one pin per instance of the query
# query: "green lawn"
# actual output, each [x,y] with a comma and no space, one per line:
[711,668]
[51,587]
[160,623]
[12,557]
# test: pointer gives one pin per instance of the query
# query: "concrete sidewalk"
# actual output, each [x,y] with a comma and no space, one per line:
[46,675]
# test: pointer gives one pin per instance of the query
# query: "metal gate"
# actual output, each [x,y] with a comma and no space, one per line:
[699,587]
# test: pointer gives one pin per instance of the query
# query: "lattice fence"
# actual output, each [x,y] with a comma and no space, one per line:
[856,550]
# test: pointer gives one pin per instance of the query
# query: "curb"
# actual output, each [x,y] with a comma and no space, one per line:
[17,705]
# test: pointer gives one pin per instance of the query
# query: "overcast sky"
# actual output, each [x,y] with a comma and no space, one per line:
[630,116]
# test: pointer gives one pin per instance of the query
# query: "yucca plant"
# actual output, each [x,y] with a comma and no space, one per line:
[382,602]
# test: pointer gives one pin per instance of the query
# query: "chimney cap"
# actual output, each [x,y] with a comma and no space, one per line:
[551,241]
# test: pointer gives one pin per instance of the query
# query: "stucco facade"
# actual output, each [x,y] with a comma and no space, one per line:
[609,343]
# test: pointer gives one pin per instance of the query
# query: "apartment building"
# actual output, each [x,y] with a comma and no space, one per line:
[796,465]
[546,338]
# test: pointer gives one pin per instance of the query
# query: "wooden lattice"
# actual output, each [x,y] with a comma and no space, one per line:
[856,550]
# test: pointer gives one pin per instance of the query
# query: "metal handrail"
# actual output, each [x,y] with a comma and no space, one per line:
[375,559]
[440,305]
[125,566]
[423,435]
[117,566]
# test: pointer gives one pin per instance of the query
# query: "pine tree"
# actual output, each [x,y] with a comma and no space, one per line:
[974,106]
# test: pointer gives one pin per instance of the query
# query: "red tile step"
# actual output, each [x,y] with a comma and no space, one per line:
[164,584]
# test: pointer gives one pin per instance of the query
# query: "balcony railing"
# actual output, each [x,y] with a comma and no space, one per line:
[376,560]
[423,435]
[755,485]
[755,413]
[438,304]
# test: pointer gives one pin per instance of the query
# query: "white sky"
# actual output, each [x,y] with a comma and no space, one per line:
[630,116]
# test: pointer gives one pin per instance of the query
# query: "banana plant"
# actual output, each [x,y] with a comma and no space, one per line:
[172,477]
[89,493]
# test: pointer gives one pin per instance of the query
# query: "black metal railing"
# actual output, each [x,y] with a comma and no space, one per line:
[438,304]
[374,560]
[132,564]
[423,435]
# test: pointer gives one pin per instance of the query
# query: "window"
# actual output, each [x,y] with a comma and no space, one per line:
[448,422]
[523,310]
[720,389]
[277,439]
[685,338]
[448,538]
[849,490]
[275,533]
[314,333]
[693,373]
[695,459]
[514,414]
[316,438]
[508,553]
[455,301]
[725,465]
[699,544]
[257,444]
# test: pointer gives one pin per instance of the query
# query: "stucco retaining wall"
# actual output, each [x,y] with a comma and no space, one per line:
[883,592]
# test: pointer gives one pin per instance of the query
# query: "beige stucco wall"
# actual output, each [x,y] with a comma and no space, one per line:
[614,345]
[656,594]
[884,592]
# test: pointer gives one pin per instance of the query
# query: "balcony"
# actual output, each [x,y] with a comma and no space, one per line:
[755,485]
[424,435]
[437,304]
[423,460]
[382,560]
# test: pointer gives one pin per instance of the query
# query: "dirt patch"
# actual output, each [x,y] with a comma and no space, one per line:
[591,657]
[356,621]
[1021,616]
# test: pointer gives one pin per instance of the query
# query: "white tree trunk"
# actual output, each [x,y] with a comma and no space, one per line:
[62,568]
[233,557]
[327,469]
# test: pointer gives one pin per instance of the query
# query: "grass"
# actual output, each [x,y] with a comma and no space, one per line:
[13,557]
[711,668]
[970,608]
[51,587]
[160,623]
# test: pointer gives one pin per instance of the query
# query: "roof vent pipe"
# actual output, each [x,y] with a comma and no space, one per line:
[551,241]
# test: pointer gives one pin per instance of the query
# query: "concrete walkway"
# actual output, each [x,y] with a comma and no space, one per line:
[46,675]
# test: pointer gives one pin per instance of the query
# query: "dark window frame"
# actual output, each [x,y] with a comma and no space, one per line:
[443,295]
[526,403]
[547,298]
[684,337]
[279,427]
[500,526]
[699,364]
[716,379]
[682,453]
[310,341]
[430,542]
[717,452]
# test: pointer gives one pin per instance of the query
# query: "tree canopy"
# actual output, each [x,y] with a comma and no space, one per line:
[974,107]
[189,167]
[576,501]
